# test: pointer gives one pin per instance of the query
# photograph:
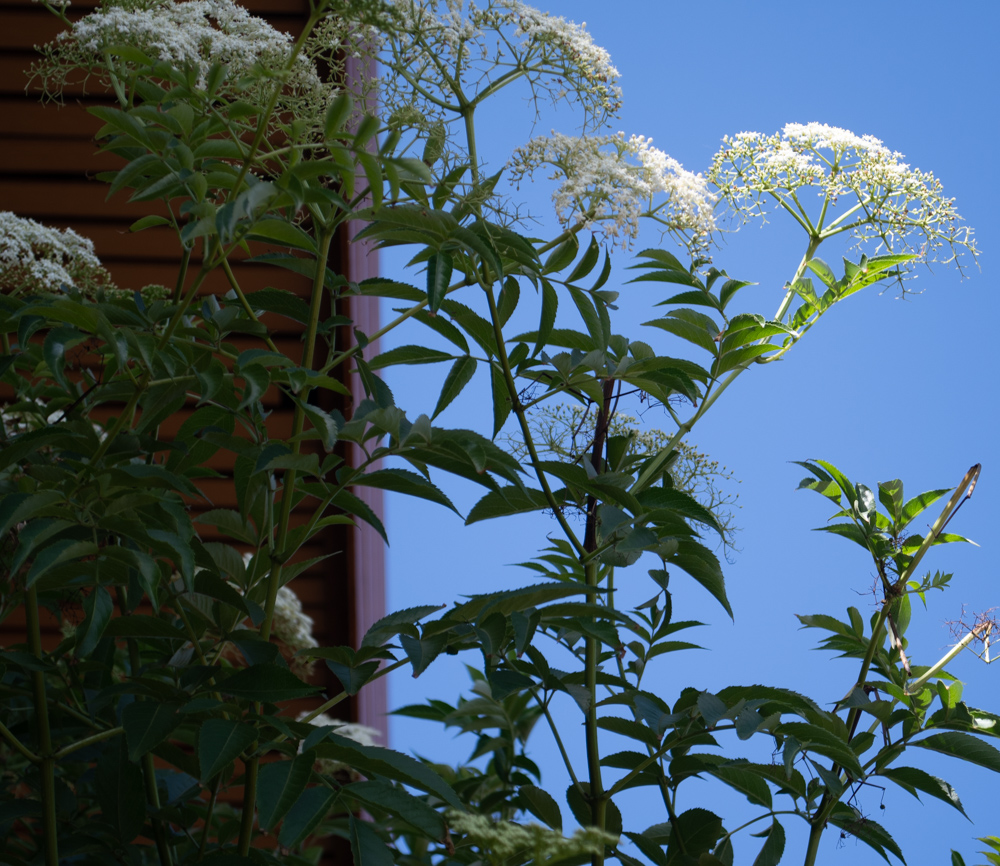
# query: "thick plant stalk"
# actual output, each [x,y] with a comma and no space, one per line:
[47,767]
[287,496]
[598,799]
[148,770]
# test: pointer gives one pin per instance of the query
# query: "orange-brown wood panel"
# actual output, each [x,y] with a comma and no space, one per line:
[47,164]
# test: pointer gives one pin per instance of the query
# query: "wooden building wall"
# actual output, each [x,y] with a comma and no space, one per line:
[47,164]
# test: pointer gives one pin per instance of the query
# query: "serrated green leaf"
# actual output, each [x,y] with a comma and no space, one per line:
[268,683]
[692,833]
[458,377]
[506,501]
[221,741]
[912,779]
[312,806]
[963,746]
[279,785]
[398,802]
[542,805]
[439,270]
[119,789]
[774,847]
[147,724]
[367,847]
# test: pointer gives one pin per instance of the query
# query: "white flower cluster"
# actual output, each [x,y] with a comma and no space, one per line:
[34,258]
[292,625]
[887,199]
[590,62]
[445,24]
[614,181]
[194,34]
[507,839]
[361,734]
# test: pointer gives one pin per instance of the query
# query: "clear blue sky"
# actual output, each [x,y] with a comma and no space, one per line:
[882,388]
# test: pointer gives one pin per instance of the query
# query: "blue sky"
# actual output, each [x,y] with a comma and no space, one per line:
[883,388]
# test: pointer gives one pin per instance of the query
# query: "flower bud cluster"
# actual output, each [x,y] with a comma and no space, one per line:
[611,182]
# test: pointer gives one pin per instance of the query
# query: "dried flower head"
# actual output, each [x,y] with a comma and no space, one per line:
[36,258]
[884,199]
[610,182]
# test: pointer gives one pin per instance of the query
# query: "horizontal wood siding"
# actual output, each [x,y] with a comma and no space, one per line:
[47,164]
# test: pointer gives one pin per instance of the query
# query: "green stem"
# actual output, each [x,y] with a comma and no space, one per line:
[559,743]
[652,471]
[522,420]
[592,647]
[298,423]
[206,268]
[18,745]
[88,741]
[148,770]
[181,275]
[468,112]
[209,812]
[245,303]
[47,767]
[388,669]
[815,834]
[249,804]
[268,111]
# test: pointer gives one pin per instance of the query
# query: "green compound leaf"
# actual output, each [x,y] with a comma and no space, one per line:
[221,741]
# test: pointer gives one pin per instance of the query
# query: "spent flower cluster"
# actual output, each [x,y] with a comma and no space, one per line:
[609,182]
[36,258]
[887,200]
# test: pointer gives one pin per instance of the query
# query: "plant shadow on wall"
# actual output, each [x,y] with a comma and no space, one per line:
[161,729]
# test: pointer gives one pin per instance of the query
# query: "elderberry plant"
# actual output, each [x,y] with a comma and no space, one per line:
[164,728]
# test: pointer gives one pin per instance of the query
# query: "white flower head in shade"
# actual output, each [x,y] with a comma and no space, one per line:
[36,258]
[291,623]
[361,734]
[531,841]
[609,182]
[866,189]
